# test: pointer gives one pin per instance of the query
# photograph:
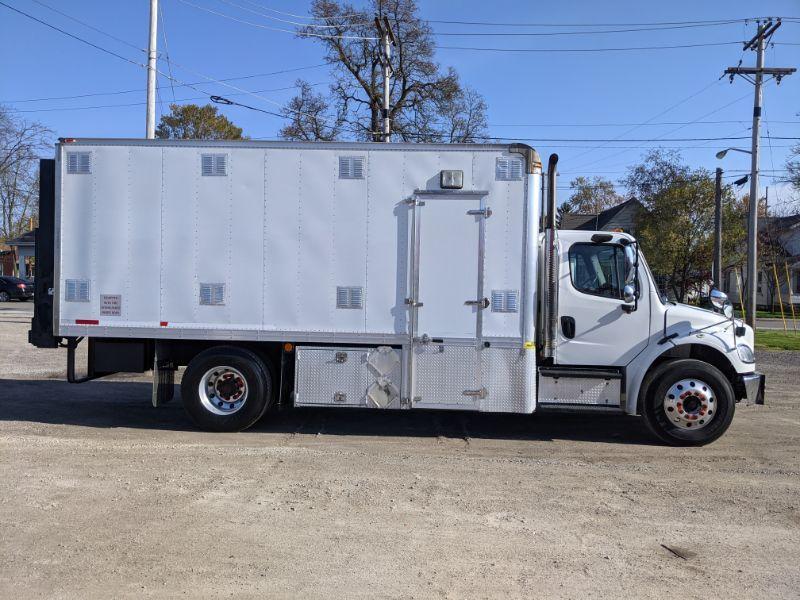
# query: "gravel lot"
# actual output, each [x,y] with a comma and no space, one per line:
[103,496]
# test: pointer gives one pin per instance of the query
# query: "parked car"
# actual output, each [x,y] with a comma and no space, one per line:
[14,288]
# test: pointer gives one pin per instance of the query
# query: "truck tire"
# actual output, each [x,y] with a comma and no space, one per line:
[688,402]
[226,388]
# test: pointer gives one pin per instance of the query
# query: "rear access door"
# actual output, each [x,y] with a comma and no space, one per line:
[447,299]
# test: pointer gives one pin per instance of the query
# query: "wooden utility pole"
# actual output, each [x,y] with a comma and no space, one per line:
[716,270]
[756,77]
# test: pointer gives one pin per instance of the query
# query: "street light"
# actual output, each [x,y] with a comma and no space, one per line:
[721,154]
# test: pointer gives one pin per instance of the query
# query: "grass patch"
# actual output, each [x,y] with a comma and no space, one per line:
[777,340]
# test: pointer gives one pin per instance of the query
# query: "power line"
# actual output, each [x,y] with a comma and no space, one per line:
[139,90]
[92,27]
[279,29]
[166,49]
[74,37]
[128,104]
[585,50]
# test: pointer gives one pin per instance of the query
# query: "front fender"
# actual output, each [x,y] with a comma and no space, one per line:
[712,347]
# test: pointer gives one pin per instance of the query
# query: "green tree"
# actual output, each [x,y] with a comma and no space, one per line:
[676,227]
[428,103]
[193,122]
[591,196]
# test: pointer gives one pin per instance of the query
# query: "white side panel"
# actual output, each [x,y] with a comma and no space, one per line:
[78,225]
[348,241]
[316,292]
[283,209]
[213,231]
[180,239]
[246,249]
[140,300]
[504,246]
[387,233]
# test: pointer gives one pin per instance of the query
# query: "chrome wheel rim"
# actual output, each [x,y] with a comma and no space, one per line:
[223,390]
[690,404]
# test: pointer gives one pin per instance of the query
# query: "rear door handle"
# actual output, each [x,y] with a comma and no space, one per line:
[482,303]
[568,327]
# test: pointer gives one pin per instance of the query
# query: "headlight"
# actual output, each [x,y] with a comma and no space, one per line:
[745,353]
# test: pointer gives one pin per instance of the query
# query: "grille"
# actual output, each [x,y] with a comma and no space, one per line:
[76,290]
[351,167]
[349,297]
[79,163]
[508,169]
[505,301]
[212,294]
[214,165]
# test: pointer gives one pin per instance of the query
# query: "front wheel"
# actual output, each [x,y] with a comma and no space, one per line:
[4,297]
[688,403]
[226,388]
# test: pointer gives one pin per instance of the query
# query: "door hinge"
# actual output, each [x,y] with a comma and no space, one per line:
[482,212]
[482,303]
[481,393]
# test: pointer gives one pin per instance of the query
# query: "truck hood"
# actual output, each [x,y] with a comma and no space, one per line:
[690,320]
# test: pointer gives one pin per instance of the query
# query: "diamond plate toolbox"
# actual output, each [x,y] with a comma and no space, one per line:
[358,377]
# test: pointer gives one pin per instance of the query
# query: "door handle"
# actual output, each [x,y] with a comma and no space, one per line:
[482,303]
[568,327]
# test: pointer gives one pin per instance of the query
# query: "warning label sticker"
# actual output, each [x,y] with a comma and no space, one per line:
[111,305]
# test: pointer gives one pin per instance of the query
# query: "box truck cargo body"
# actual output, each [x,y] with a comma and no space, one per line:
[366,275]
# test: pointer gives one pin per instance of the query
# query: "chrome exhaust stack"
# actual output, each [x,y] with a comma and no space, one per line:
[550,287]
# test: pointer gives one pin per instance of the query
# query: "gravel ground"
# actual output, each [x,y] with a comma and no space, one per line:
[102,496]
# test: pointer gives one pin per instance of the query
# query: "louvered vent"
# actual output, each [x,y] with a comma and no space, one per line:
[505,301]
[212,294]
[79,163]
[214,165]
[508,169]
[349,297]
[76,290]
[351,167]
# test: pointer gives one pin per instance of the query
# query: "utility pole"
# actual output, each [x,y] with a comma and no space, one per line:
[716,271]
[756,77]
[151,71]
[387,41]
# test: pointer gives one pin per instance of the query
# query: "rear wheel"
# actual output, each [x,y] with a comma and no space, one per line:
[688,403]
[4,297]
[226,388]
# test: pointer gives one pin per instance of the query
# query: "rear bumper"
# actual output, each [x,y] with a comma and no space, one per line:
[753,384]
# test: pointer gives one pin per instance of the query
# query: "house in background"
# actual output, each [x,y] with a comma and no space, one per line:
[621,217]
[785,235]
[20,258]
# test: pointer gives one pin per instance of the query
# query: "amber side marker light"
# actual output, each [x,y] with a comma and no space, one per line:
[287,347]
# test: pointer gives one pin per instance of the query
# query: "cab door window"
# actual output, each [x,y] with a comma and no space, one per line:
[598,269]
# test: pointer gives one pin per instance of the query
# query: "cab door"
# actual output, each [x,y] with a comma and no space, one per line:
[596,326]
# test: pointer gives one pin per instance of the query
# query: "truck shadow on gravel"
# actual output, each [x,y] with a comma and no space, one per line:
[112,404]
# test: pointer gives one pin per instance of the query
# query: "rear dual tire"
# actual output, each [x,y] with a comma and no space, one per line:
[688,402]
[226,388]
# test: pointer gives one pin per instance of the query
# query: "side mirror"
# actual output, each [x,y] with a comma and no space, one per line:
[629,293]
[720,303]
[630,263]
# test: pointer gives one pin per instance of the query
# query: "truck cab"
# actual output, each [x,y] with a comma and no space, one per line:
[679,366]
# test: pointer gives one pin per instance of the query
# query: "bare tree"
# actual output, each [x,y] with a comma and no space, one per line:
[21,143]
[427,103]
[310,117]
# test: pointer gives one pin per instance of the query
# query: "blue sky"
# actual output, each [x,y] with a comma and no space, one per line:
[531,95]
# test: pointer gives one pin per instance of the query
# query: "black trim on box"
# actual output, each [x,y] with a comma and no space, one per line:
[579,372]
[41,331]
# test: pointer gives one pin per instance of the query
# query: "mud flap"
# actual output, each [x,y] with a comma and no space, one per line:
[163,381]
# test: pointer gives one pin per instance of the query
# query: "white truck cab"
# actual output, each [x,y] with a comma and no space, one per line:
[373,276]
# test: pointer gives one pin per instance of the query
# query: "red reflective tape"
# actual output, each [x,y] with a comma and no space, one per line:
[164,323]
[87,322]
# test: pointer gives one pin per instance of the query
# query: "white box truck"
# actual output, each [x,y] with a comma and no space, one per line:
[383,276]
